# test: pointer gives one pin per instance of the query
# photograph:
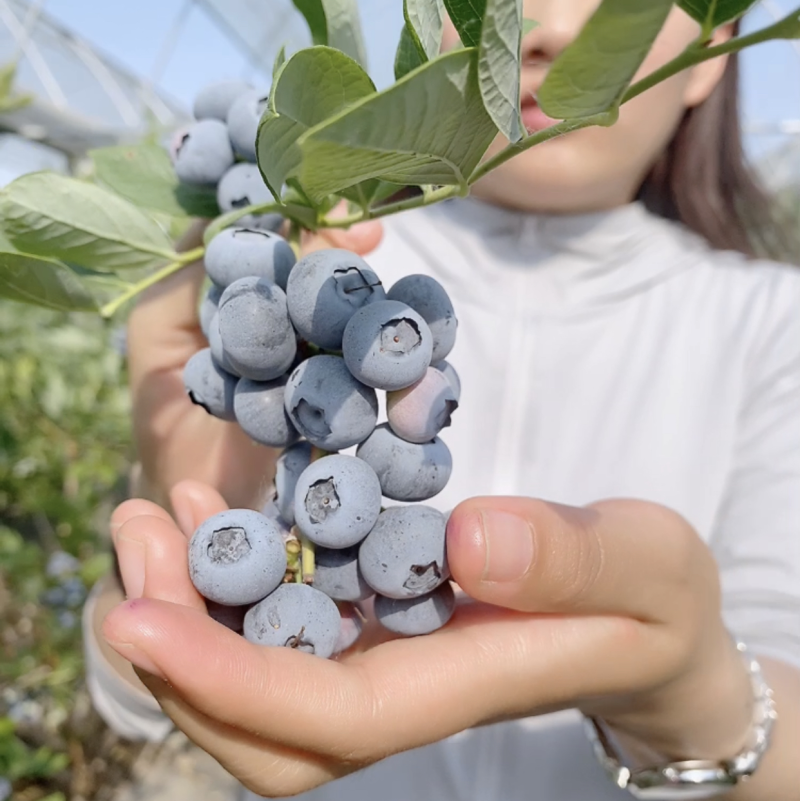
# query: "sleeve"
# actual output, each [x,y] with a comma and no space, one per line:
[756,538]
[131,713]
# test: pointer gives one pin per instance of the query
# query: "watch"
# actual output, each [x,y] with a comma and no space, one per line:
[699,778]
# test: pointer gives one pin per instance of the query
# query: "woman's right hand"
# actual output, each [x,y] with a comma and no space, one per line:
[175,439]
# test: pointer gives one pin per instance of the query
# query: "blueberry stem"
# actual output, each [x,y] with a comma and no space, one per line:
[309,560]
[184,260]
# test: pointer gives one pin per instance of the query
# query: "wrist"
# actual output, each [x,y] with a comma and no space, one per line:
[706,713]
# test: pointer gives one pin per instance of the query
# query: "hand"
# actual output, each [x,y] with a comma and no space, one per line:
[613,609]
[175,439]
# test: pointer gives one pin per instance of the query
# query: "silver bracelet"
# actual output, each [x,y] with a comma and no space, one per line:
[699,778]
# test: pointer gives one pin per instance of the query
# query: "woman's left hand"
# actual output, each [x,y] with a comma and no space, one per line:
[613,609]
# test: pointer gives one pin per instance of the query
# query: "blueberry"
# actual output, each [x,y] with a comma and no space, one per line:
[260,411]
[243,186]
[387,345]
[337,501]
[291,463]
[232,617]
[452,376]
[208,308]
[407,471]
[209,386]
[204,154]
[295,616]
[428,298]
[255,328]
[337,574]
[415,616]
[404,555]
[351,626]
[419,412]
[243,118]
[325,290]
[328,406]
[237,253]
[215,100]
[218,349]
[237,557]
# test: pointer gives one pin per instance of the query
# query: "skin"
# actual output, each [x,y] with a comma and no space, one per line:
[552,594]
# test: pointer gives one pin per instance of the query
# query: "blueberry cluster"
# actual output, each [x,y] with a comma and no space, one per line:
[298,351]
[219,149]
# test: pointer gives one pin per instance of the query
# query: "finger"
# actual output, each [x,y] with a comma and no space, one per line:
[193,503]
[135,508]
[264,768]
[154,561]
[620,557]
[488,663]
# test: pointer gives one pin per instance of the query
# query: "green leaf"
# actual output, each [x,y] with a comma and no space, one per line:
[467,16]
[429,128]
[49,215]
[408,57]
[591,74]
[144,175]
[713,13]
[500,64]
[277,66]
[313,85]
[528,25]
[369,192]
[41,282]
[335,23]
[425,22]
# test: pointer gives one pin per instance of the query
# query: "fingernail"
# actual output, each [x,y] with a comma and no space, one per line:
[509,546]
[137,657]
[132,555]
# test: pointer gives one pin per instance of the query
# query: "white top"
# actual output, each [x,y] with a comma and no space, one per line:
[603,355]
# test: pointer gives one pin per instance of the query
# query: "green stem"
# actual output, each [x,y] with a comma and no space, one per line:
[111,308]
[561,128]
[428,199]
[787,28]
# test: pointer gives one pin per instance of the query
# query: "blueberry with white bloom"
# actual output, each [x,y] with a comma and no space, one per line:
[237,557]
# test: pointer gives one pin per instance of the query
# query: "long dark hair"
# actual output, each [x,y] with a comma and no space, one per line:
[704,181]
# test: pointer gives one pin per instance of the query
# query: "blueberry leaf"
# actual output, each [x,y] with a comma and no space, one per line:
[313,85]
[408,56]
[430,127]
[41,282]
[593,72]
[713,13]
[54,217]
[144,175]
[499,65]
[425,22]
[467,16]
[335,23]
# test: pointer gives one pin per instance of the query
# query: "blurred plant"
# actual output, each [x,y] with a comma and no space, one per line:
[9,101]
[64,455]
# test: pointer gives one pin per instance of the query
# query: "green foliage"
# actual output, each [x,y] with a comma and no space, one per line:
[433,130]
[328,135]
[424,21]
[65,452]
[499,65]
[713,13]
[592,74]
[49,215]
[8,100]
[408,56]
[335,23]
[144,175]
[313,85]
[467,16]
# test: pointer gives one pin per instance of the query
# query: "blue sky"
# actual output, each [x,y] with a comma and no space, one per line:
[136,35]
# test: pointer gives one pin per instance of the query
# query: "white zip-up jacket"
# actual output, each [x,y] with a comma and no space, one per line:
[604,355]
